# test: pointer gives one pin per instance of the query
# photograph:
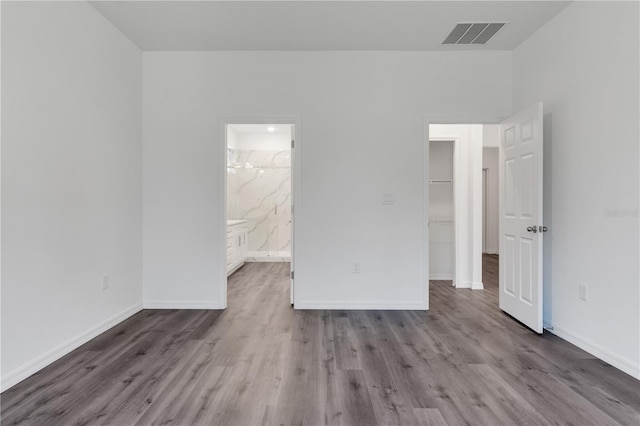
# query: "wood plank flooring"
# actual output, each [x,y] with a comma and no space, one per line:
[261,363]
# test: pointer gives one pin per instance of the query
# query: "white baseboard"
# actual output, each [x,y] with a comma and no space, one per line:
[373,306]
[491,252]
[19,374]
[477,286]
[471,285]
[182,304]
[441,277]
[596,350]
[267,259]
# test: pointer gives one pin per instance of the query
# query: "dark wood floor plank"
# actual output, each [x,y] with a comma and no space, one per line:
[613,407]
[402,367]
[429,417]
[561,405]
[154,356]
[78,363]
[177,398]
[44,387]
[389,406]
[347,356]
[259,362]
[600,374]
[503,400]
[304,389]
[351,397]
[129,407]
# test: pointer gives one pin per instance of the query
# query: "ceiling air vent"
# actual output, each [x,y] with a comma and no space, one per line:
[473,32]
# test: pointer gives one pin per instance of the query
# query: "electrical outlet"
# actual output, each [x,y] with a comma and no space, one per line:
[355,268]
[105,281]
[582,292]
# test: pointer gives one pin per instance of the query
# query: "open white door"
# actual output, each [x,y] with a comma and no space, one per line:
[521,217]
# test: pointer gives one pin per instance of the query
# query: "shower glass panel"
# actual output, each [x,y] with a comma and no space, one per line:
[259,191]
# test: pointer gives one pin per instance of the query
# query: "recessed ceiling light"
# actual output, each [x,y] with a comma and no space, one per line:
[271,129]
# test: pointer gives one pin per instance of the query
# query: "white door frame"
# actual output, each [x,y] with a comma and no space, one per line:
[441,119]
[222,194]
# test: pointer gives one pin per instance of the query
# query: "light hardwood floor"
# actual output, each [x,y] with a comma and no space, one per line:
[260,362]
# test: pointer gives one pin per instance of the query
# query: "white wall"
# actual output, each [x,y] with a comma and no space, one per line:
[362,118]
[491,161]
[71,181]
[467,182]
[588,81]
[491,135]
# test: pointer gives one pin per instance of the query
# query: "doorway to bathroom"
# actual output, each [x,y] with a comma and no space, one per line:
[259,196]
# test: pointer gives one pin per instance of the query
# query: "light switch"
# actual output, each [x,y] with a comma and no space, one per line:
[582,292]
[387,199]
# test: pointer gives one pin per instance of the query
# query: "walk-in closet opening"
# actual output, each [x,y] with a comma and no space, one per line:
[490,200]
[466,179]
[259,196]
[442,255]
[455,202]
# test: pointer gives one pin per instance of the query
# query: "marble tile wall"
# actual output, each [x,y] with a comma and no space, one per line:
[259,191]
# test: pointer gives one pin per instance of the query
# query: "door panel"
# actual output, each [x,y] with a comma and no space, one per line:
[520,217]
[526,285]
[510,188]
[508,255]
[526,183]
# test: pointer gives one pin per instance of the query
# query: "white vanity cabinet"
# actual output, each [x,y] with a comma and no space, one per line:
[237,244]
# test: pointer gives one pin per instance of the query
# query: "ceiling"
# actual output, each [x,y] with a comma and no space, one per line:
[320,25]
[264,129]
[260,137]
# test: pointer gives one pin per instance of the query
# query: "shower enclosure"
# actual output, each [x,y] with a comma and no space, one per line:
[259,191]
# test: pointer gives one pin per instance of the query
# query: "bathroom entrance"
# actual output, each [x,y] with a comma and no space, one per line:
[259,202]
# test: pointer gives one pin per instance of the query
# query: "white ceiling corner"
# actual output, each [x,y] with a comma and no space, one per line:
[320,25]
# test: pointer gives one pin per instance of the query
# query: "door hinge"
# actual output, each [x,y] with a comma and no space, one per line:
[292,143]
[291,274]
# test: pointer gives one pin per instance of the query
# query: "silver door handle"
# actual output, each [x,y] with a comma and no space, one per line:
[533,229]
[543,228]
